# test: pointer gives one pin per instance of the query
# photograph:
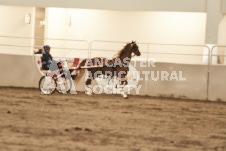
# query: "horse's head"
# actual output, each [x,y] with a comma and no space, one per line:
[128,50]
[135,48]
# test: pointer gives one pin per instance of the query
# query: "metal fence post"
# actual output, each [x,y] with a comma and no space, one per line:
[208,70]
[146,82]
[89,49]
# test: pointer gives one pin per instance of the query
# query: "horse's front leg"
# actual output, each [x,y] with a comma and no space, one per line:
[123,84]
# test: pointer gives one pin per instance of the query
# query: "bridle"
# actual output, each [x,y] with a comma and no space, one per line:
[136,50]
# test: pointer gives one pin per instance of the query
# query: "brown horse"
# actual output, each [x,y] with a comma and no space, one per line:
[117,66]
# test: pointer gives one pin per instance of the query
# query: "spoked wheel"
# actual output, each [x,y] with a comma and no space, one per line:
[63,85]
[47,85]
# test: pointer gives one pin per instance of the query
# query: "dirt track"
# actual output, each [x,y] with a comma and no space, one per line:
[31,121]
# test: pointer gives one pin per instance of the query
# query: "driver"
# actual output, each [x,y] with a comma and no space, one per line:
[46,58]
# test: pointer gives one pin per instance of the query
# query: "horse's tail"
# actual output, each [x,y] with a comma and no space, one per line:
[81,71]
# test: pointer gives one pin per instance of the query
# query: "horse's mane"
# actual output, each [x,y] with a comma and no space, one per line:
[118,54]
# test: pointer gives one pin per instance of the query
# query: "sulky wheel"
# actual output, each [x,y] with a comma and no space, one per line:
[63,85]
[47,85]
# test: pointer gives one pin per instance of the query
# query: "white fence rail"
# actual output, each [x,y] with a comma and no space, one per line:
[158,51]
[70,45]
[163,52]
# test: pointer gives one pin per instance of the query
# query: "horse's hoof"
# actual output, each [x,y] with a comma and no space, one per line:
[125,96]
[89,93]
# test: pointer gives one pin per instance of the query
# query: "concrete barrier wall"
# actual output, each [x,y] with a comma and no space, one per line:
[21,71]
[18,71]
[217,83]
[194,87]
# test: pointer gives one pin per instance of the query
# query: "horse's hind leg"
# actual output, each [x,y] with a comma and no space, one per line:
[88,87]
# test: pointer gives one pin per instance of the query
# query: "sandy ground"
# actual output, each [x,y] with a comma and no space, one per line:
[31,121]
